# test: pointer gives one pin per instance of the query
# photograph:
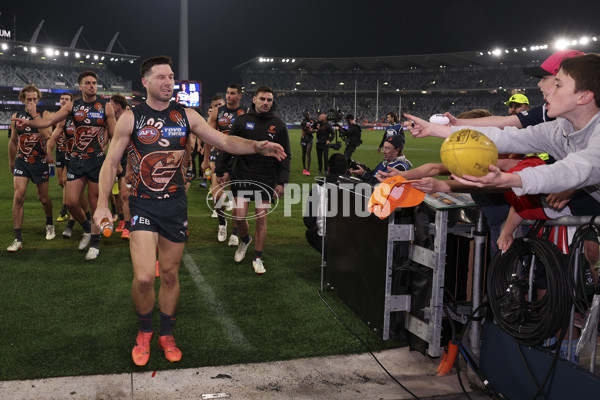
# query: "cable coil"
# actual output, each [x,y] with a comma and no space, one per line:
[530,322]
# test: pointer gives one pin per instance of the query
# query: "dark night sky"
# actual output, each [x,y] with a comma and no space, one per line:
[225,33]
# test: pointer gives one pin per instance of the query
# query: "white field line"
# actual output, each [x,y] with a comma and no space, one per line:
[232,331]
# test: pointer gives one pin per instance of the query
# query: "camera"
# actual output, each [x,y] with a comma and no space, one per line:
[355,164]
[335,115]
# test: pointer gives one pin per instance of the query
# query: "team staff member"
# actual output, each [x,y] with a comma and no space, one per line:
[94,121]
[158,130]
[222,119]
[27,161]
[259,124]
[325,135]
[517,104]
[394,128]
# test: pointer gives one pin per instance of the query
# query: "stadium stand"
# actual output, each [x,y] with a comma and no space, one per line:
[54,73]
[423,84]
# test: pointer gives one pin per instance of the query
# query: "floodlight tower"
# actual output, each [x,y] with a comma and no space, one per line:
[183,41]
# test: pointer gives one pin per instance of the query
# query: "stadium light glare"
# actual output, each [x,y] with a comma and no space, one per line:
[496,52]
[515,50]
[561,44]
[294,60]
[298,84]
[584,40]
[77,55]
[95,56]
[397,90]
[87,57]
[594,38]
[25,48]
[34,50]
[48,51]
[4,46]
[341,83]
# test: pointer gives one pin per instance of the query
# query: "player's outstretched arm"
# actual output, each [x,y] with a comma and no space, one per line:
[121,137]
[499,121]
[230,143]
[47,120]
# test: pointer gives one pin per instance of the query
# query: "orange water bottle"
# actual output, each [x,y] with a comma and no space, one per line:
[106,227]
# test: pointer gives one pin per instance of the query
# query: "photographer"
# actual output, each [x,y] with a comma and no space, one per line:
[325,135]
[392,158]
[352,136]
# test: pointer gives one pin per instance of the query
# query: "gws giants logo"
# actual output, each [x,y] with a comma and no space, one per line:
[158,168]
[27,143]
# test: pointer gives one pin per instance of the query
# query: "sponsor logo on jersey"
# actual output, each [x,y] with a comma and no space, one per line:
[250,125]
[148,134]
[272,129]
[170,132]
[96,115]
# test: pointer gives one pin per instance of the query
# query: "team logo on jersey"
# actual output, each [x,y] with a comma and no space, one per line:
[158,168]
[27,143]
[175,116]
[84,137]
[98,106]
[272,129]
[240,112]
[250,125]
[148,134]
[171,132]
[80,115]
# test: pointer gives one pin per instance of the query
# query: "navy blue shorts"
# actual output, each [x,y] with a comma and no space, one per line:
[252,190]
[85,168]
[168,217]
[60,159]
[37,171]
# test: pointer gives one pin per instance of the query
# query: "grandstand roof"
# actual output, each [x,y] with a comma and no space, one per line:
[425,61]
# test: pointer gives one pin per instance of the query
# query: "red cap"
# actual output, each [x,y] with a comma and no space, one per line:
[552,63]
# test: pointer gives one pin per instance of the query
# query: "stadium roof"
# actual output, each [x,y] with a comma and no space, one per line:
[521,56]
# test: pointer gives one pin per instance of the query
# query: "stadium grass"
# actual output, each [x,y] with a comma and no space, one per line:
[61,316]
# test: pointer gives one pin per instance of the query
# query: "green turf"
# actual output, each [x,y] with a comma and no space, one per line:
[62,316]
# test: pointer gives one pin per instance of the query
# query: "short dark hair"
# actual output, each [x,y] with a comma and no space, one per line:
[263,89]
[585,71]
[86,73]
[236,86]
[393,115]
[216,97]
[67,94]
[338,164]
[151,62]
[120,100]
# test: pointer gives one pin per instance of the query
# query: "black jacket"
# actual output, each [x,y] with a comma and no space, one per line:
[267,170]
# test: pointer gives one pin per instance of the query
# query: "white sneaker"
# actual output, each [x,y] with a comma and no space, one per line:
[15,246]
[85,241]
[222,235]
[229,205]
[240,253]
[50,232]
[233,241]
[258,266]
[92,254]
[67,233]
[214,214]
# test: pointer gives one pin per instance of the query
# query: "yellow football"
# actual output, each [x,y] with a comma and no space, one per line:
[468,152]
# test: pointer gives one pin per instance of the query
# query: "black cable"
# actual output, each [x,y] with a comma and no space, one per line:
[366,346]
[530,322]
